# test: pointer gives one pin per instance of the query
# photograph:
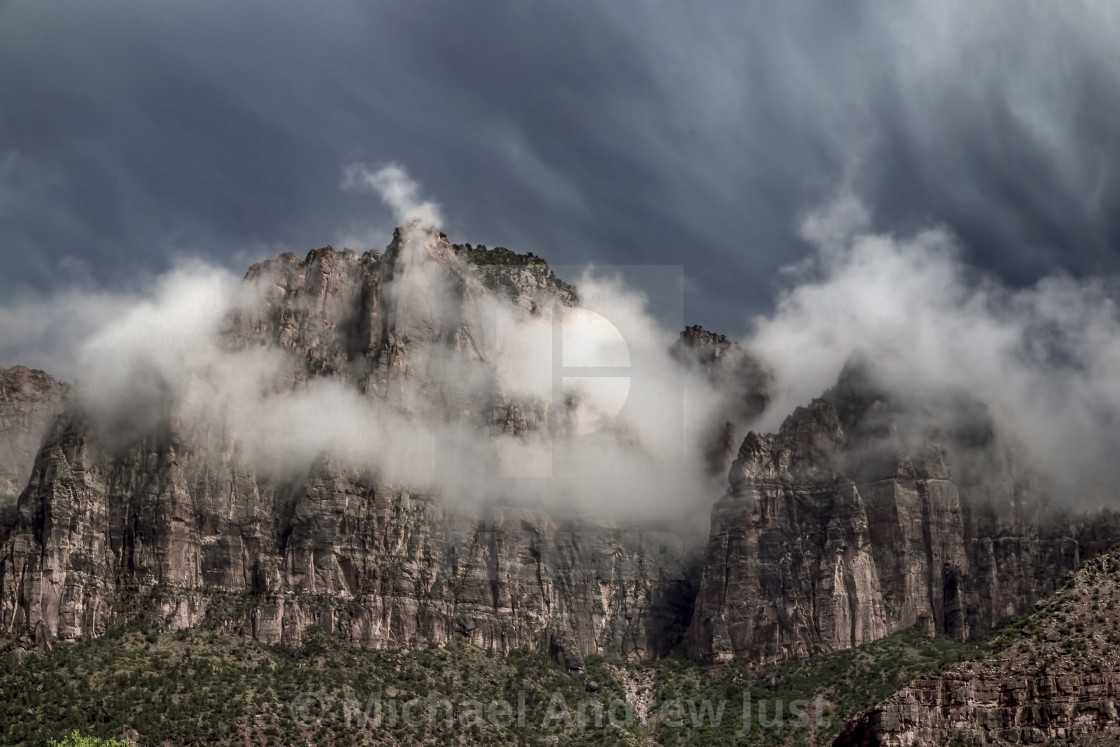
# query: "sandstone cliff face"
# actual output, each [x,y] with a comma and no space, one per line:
[177,528]
[1050,676]
[866,514]
[29,401]
[176,543]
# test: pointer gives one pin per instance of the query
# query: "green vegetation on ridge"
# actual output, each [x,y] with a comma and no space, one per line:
[198,687]
[206,688]
[799,702]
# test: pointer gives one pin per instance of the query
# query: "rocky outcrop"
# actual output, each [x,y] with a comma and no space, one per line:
[176,526]
[992,710]
[509,274]
[29,401]
[745,385]
[1054,675]
[868,513]
[743,377]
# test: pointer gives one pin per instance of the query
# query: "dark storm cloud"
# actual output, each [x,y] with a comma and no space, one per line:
[671,132]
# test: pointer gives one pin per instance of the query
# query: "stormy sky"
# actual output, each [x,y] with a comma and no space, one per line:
[689,133]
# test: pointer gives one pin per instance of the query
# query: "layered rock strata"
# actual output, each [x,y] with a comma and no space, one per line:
[868,513]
